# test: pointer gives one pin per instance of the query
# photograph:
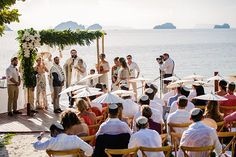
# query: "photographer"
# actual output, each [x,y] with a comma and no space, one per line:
[166,68]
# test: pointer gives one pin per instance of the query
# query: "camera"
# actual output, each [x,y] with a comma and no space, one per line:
[160,59]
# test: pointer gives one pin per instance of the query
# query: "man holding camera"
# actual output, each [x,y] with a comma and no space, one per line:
[166,68]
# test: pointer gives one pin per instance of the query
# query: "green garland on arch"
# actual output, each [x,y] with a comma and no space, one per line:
[28,46]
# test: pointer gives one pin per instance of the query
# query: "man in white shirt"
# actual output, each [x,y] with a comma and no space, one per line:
[180,115]
[61,141]
[130,108]
[199,135]
[134,72]
[13,82]
[174,105]
[146,138]
[156,115]
[113,126]
[166,68]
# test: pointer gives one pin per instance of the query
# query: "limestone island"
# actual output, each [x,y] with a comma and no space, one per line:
[69,25]
[95,27]
[224,26]
[165,26]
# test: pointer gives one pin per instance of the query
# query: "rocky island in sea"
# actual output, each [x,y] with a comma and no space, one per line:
[7,28]
[165,26]
[95,27]
[224,26]
[69,25]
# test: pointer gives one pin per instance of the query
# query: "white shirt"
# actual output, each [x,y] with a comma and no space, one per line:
[168,95]
[130,108]
[146,138]
[64,142]
[157,106]
[178,117]
[199,135]
[12,72]
[192,94]
[132,68]
[159,101]
[113,126]
[167,66]
[174,106]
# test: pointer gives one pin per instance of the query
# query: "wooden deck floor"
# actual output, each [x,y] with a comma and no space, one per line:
[22,123]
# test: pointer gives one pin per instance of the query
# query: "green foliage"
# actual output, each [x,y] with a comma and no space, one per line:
[67,37]
[7,15]
[6,139]
[27,63]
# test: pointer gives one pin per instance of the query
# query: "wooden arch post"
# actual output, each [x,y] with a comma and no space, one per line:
[98,60]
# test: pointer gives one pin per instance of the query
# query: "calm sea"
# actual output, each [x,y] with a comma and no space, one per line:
[194,51]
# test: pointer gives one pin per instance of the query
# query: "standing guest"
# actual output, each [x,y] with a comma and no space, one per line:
[103,68]
[223,88]
[123,74]
[231,98]
[113,125]
[199,91]
[60,141]
[167,68]
[212,111]
[199,135]
[181,115]
[134,72]
[145,137]
[114,73]
[72,124]
[92,82]
[71,74]
[13,83]
[41,98]
[147,112]
[58,79]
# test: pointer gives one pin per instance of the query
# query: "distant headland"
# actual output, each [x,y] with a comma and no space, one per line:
[165,26]
[224,26]
[7,28]
[74,26]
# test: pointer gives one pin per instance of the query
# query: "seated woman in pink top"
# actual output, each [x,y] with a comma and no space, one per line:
[230,118]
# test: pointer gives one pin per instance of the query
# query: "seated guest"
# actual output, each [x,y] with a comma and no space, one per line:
[231,99]
[156,115]
[61,141]
[199,91]
[130,108]
[150,93]
[73,125]
[147,112]
[175,97]
[146,138]
[199,135]
[212,111]
[88,117]
[120,113]
[192,93]
[169,94]
[96,108]
[223,88]
[181,115]
[113,125]
[188,108]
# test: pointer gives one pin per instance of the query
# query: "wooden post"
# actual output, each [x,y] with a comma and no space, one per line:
[216,82]
[103,48]
[98,60]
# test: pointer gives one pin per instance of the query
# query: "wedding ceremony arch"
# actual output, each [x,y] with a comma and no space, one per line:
[30,40]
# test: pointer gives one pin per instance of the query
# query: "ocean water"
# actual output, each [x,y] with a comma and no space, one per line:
[194,51]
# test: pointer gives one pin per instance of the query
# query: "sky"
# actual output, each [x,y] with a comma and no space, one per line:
[137,14]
